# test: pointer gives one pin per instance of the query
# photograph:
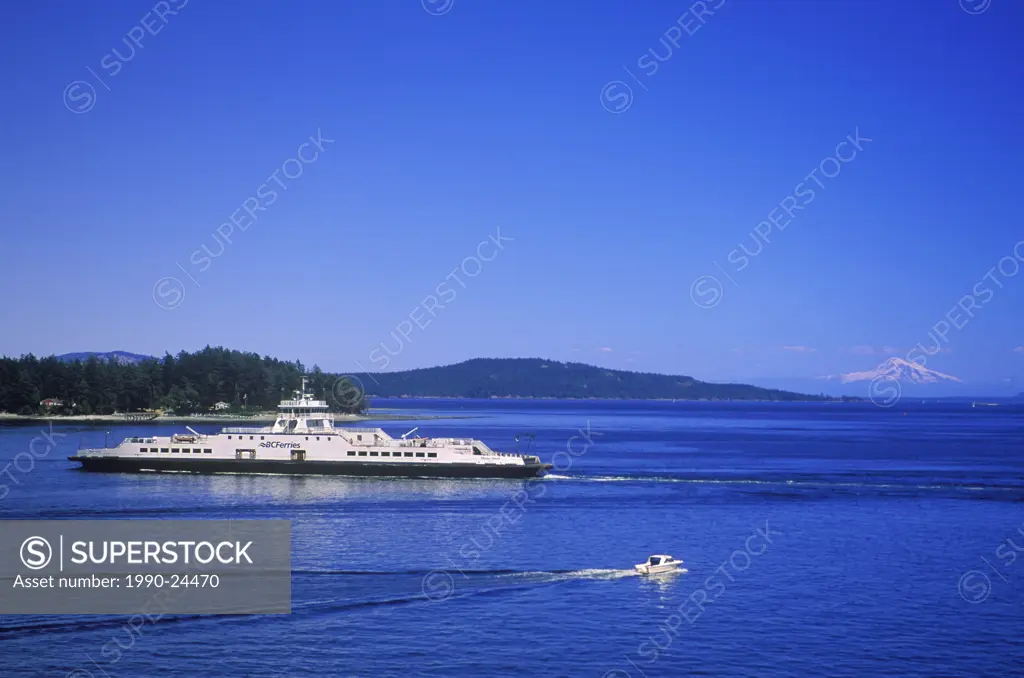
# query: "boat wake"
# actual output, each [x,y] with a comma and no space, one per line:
[482,576]
[407,588]
[810,482]
[564,575]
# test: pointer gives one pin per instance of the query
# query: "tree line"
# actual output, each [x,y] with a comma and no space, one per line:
[183,384]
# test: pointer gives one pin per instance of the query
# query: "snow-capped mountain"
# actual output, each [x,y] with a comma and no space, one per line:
[899,369]
[913,380]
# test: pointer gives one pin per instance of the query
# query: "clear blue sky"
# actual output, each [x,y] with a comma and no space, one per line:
[490,115]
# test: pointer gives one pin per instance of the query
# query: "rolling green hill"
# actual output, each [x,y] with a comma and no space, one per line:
[537,378]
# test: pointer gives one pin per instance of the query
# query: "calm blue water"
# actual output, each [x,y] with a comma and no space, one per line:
[821,540]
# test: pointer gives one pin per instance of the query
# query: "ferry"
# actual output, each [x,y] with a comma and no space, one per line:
[305,441]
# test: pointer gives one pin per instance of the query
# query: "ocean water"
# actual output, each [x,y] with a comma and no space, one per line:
[820,540]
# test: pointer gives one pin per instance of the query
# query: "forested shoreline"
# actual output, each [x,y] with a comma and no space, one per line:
[237,382]
[186,383]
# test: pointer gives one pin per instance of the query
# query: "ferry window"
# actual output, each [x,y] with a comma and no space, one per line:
[164,450]
[207,451]
[373,454]
[143,449]
[359,437]
[261,437]
[476,450]
[385,454]
[229,437]
[174,449]
[362,453]
[431,454]
[250,437]
[351,453]
[420,454]
[318,437]
[307,437]
[408,454]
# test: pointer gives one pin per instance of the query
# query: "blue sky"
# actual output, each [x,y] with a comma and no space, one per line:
[443,124]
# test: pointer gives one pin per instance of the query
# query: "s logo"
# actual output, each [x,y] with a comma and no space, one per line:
[36,553]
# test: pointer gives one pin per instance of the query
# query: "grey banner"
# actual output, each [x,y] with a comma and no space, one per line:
[145,567]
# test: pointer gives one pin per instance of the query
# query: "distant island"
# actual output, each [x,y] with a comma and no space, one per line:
[538,378]
[223,381]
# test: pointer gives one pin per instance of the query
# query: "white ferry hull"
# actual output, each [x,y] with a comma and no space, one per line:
[112,464]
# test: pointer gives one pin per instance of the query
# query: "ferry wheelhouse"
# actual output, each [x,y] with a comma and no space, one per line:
[305,441]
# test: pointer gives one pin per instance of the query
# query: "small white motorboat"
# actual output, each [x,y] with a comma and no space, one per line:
[660,564]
